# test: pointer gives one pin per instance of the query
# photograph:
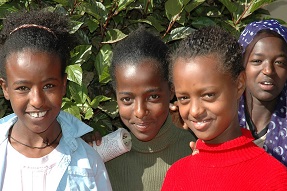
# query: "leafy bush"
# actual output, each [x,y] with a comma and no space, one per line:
[98,25]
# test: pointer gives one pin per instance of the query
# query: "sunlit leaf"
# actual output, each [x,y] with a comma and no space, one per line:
[74,73]
[81,54]
[109,108]
[76,25]
[114,35]
[123,4]
[179,33]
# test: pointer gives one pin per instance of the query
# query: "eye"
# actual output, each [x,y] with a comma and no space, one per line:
[126,100]
[209,96]
[153,97]
[256,61]
[281,63]
[183,99]
[49,86]
[22,88]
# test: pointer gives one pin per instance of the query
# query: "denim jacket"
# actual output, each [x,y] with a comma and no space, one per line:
[81,167]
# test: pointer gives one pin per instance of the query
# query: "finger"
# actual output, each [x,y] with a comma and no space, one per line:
[185,126]
[192,145]
[98,138]
[172,107]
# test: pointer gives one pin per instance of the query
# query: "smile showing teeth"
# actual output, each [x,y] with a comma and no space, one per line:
[38,114]
[267,83]
[200,122]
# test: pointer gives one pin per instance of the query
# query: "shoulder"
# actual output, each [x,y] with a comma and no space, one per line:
[182,164]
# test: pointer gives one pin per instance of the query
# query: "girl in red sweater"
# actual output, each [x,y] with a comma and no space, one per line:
[208,75]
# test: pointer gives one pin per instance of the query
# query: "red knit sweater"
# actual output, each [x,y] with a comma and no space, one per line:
[234,165]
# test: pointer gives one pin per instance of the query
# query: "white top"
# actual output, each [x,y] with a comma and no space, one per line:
[81,167]
[30,174]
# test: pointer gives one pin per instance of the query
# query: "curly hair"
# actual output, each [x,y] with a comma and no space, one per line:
[211,40]
[37,30]
[138,46]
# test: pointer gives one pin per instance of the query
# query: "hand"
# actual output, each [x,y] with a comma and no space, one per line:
[192,145]
[91,137]
[176,118]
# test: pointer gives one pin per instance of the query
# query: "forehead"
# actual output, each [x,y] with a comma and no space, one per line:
[270,43]
[30,63]
[144,74]
[146,67]
[198,72]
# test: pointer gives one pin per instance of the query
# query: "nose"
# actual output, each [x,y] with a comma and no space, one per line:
[140,109]
[268,68]
[37,98]
[196,109]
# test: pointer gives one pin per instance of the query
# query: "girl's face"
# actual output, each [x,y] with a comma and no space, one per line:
[266,68]
[207,98]
[143,98]
[35,88]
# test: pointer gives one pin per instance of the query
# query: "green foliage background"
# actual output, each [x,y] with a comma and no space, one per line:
[98,25]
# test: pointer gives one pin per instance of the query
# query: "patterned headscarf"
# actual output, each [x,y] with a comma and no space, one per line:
[276,137]
[253,28]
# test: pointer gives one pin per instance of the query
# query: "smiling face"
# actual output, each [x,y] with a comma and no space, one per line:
[266,68]
[207,98]
[143,98]
[35,88]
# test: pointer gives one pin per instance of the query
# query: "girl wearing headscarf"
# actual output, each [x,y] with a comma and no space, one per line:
[263,105]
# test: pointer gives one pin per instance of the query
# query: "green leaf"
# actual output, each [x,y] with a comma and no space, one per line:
[75,73]
[63,2]
[95,9]
[172,8]
[81,54]
[105,77]
[255,5]
[6,9]
[70,107]
[179,33]
[110,108]
[202,21]
[192,5]
[123,4]
[78,93]
[76,25]
[155,23]
[89,114]
[103,60]
[98,99]
[92,24]
[114,35]
[232,7]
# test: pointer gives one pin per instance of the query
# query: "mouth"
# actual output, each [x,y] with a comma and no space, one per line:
[37,114]
[142,126]
[200,125]
[266,85]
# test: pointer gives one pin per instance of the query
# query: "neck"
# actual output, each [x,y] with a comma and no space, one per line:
[260,111]
[33,144]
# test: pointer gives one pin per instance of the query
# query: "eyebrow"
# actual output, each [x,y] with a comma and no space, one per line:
[20,82]
[150,90]
[279,55]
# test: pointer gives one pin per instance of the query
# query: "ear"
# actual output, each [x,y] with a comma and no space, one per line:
[4,86]
[64,84]
[241,84]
